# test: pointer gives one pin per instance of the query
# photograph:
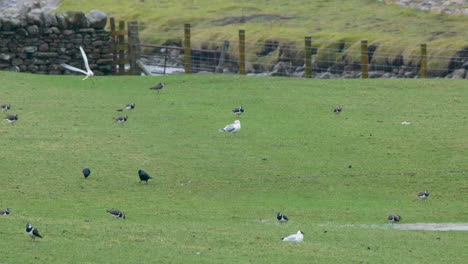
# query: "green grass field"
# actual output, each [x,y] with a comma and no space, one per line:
[215,195]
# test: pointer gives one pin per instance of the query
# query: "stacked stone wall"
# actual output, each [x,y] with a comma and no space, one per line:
[38,42]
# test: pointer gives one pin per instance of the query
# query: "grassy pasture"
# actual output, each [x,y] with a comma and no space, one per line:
[215,195]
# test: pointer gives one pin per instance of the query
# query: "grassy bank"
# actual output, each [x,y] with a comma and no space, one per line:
[215,195]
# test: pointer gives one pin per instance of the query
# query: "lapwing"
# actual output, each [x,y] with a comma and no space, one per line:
[11,118]
[296,238]
[424,194]
[116,213]
[32,231]
[86,172]
[5,211]
[232,128]
[158,86]
[394,218]
[121,119]
[130,106]
[281,218]
[238,111]
[338,109]
[144,176]
[6,107]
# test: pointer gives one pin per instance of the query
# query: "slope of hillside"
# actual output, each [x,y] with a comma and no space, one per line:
[336,27]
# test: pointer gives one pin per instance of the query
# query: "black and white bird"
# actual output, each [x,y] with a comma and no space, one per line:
[88,71]
[6,107]
[121,119]
[338,109]
[232,128]
[144,176]
[394,218]
[5,211]
[86,172]
[281,218]
[238,111]
[32,231]
[130,106]
[116,213]
[424,194]
[296,238]
[158,86]
[11,118]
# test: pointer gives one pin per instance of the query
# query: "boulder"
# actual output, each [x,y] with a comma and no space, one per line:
[44,47]
[459,74]
[30,49]
[324,75]
[16,62]
[97,19]
[50,20]
[281,69]
[76,19]
[61,21]
[34,18]
[376,74]
[5,57]
[465,65]
[11,23]
[33,30]
[409,74]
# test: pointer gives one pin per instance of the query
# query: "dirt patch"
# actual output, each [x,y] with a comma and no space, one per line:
[244,19]
[432,226]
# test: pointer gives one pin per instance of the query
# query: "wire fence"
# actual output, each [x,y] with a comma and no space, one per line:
[187,50]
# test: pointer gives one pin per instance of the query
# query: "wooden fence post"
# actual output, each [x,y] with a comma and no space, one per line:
[113,43]
[364,59]
[133,47]
[121,41]
[242,52]
[423,72]
[308,55]
[187,50]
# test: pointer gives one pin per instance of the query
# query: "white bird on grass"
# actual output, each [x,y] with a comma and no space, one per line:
[88,71]
[296,238]
[232,128]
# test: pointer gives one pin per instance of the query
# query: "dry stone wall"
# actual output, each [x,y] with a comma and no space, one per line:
[38,41]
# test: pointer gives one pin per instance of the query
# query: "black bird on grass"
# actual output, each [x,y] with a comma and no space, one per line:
[144,176]
[424,194]
[394,218]
[281,218]
[121,119]
[5,211]
[116,213]
[11,118]
[32,231]
[338,109]
[158,86]
[86,172]
[6,107]
[238,110]
[130,106]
